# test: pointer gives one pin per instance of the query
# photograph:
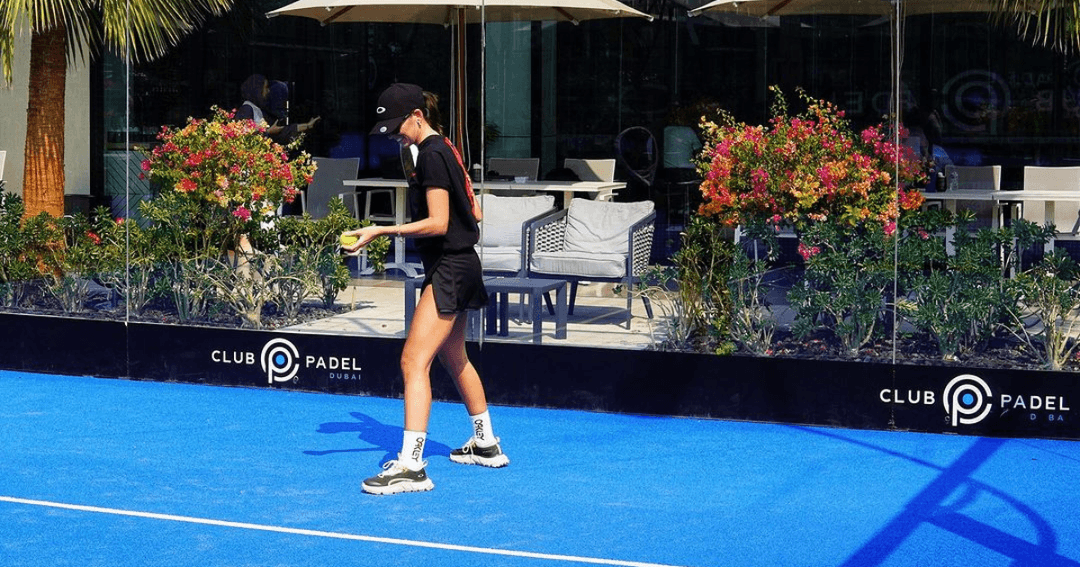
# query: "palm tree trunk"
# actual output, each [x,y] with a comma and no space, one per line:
[43,175]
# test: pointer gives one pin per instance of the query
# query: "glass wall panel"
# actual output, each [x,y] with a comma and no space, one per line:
[972,95]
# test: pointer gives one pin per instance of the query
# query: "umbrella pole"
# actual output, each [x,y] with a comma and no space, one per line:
[459,97]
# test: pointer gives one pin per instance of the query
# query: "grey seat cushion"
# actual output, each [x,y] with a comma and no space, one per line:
[576,263]
[500,258]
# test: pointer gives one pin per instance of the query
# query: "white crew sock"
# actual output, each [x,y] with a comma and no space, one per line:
[412,449]
[483,435]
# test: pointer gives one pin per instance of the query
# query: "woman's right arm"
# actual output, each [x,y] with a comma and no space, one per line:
[435,224]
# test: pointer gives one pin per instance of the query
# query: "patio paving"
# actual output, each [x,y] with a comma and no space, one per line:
[377,309]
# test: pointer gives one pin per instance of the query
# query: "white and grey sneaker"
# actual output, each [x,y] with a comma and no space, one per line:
[396,478]
[471,454]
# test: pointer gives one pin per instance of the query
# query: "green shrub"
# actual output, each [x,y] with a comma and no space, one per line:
[1045,313]
[133,269]
[20,243]
[961,300]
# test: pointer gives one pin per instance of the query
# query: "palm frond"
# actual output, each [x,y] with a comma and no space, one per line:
[139,30]
[1050,23]
[150,27]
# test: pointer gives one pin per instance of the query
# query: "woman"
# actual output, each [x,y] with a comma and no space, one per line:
[256,90]
[445,228]
[278,110]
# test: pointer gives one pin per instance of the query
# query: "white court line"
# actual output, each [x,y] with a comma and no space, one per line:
[333,535]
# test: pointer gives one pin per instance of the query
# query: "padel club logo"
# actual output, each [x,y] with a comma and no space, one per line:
[280,361]
[968,399]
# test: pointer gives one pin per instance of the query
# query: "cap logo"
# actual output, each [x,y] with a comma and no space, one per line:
[383,129]
[380,110]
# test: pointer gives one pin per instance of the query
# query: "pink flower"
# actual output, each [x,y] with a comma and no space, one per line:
[242,213]
[808,252]
[93,237]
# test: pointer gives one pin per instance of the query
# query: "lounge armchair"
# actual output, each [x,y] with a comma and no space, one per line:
[599,241]
[503,232]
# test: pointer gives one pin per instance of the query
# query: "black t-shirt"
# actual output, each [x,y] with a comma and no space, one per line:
[436,166]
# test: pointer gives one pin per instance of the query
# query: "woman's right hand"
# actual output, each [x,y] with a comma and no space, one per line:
[308,125]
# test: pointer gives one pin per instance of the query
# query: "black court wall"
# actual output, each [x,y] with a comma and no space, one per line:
[938,399]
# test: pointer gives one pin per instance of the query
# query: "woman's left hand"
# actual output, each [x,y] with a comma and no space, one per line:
[363,236]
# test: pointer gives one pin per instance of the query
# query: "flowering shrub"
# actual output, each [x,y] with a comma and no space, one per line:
[804,169]
[236,175]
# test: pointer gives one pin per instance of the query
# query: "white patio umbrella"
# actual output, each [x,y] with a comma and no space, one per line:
[848,7]
[452,12]
[457,13]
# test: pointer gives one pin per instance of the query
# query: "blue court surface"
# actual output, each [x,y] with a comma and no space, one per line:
[101,472]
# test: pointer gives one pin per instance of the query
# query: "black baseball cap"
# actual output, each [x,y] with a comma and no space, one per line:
[394,106]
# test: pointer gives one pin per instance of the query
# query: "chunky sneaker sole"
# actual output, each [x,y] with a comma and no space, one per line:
[397,479]
[470,454]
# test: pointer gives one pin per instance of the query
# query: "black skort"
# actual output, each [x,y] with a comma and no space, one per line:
[457,280]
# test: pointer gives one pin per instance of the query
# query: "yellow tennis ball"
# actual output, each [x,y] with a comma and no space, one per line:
[348,240]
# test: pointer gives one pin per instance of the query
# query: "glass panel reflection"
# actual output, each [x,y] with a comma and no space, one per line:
[972,95]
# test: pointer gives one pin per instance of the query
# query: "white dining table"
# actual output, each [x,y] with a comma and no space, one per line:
[597,190]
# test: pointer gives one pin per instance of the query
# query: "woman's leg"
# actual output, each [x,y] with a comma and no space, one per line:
[483,447]
[426,336]
[428,333]
[454,359]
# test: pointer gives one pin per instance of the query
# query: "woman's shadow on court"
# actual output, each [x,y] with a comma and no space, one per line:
[379,436]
